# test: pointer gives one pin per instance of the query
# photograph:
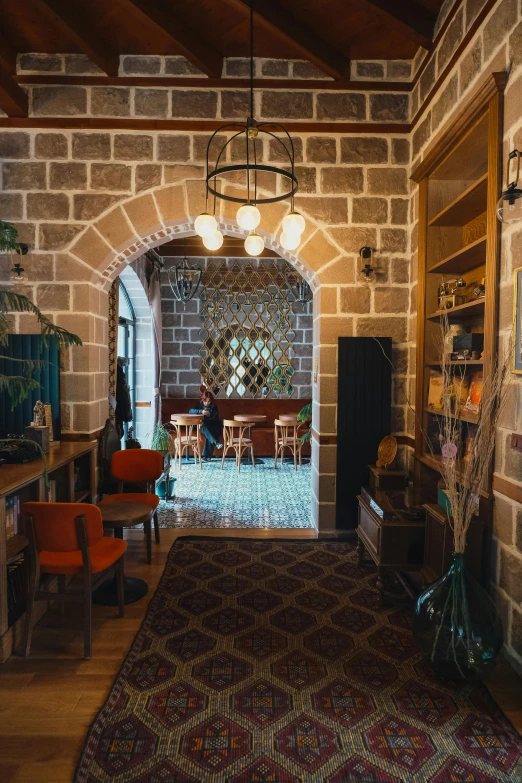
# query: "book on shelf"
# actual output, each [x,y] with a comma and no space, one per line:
[17,587]
[436,391]
[475,392]
[12,515]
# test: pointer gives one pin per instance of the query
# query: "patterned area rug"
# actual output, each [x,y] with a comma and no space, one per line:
[271,662]
[254,497]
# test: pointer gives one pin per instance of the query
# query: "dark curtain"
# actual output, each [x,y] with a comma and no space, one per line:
[148,269]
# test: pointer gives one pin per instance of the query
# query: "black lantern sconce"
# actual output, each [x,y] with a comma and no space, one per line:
[18,272]
[368,271]
[509,206]
[185,284]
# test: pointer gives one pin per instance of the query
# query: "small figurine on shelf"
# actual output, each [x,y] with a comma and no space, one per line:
[39,414]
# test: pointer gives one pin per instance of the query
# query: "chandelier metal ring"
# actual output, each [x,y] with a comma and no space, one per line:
[253,167]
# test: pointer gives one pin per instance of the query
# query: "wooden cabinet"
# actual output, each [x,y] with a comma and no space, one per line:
[69,465]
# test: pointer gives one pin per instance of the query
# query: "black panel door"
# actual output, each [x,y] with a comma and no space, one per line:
[363,416]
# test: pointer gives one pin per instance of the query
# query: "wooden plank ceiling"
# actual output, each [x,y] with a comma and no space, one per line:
[327,34]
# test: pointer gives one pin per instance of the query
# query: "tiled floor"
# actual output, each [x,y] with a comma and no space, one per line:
[254,498]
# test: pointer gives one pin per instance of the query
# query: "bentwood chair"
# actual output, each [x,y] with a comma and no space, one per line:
[138,466]
[234,438]
[286,436]
[67,539]
[187,436]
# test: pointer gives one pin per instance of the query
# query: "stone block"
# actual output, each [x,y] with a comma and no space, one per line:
[24,176]
[141,65]
[472,9]
[116,229]
[387,182]
[14,144]
[57,236]
[400,270]
[130,146]
[87,206]
[505,13]
[200,143]
[470,65]
[394,327]
[452,38]
[276,153]
[50,146]
[391,300]
[324,209]
[364,149]
[389,107]
[369,210]
[302,69]
[512,461]
[338,272]
[111,176]
[446,103]
[503,527]
[174,147]
[143,215]
[399,211]
[171,204]
[421,135]
[11,206]
[355,299]
[67,176]
[47,206]
[400,151]
[147,176]
[110,101]
[337,179]
[510,569]
[81,65]
[40,63]
[368,70]
[393,240]
[326,300]
[275,68]
[180,66]
[279,105]
[149,102]
[53,297]
[341,106]
[178,173]
[194,103]
[427,79]
[398,69]
[330,328]
[307,178]
[63,101]
[235,104]
[352,238]
[91,146]
[318,251]
[237,66]
[321,149]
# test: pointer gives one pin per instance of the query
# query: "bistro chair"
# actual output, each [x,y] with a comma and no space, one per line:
[67,539]
[234,438]
[187,436]
[138,466]
[286,436]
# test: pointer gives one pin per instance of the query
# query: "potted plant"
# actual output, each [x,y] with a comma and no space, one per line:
[305,414]
[456,621]
[161,440]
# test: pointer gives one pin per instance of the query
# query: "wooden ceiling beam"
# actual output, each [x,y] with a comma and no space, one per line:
[193,247]
[198,51]
[295,32]
[411,19]
[7,53]
[62,15]
[13,100]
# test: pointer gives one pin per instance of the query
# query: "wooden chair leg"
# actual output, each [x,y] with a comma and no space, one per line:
[120,587]
[87,618]
[252,455]
[148,531]
[156,527]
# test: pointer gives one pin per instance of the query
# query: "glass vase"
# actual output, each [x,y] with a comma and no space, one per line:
[458,626]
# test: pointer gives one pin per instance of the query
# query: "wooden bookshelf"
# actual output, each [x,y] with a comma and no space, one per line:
[28,483]
[459,185]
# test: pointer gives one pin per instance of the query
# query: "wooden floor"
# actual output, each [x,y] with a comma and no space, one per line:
[47,701]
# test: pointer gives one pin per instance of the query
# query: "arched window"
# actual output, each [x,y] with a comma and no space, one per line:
[127,346]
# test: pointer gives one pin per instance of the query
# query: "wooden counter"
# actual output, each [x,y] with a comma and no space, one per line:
[27,481]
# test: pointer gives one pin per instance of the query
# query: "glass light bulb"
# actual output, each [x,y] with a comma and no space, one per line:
[290,241]
[248,217]
[205,224]
[293,223]
[18,274]
[507,212]
[213,241]
[254,244]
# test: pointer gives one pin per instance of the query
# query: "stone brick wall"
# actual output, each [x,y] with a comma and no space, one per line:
[182,339]
[496,46]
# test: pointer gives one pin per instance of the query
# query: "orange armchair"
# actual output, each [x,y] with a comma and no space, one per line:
[67,539]
[136,466]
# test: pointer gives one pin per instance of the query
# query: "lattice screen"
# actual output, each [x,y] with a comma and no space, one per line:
[247,330]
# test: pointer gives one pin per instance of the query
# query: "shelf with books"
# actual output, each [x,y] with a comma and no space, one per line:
[461,414]
[467,310]
[457,362]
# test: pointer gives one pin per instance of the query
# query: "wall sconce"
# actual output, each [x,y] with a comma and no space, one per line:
[509,206]
[367,272]
[17,274]
[186,281]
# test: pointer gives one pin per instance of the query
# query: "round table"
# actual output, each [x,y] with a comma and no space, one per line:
[250,418]
[116,516]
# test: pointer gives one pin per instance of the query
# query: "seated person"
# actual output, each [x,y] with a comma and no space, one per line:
[212,428]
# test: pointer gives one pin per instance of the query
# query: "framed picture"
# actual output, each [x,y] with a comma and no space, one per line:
[517,337]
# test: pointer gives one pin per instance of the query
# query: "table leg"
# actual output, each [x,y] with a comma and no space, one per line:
[134,588]
[148,532]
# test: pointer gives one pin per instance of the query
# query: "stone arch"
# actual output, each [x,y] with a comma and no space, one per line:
[127,230]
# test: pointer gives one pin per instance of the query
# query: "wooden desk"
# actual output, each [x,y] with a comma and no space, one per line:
[27,481]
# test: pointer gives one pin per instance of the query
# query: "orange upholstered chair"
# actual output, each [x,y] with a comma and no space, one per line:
[67,539]
[138,466]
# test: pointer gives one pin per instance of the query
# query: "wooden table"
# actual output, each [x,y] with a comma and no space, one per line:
[116,516]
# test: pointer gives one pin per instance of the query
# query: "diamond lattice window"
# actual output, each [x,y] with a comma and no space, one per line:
[247,330]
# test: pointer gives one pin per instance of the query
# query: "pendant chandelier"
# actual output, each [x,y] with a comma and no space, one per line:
[248,215]
[186,281]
